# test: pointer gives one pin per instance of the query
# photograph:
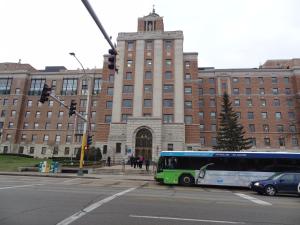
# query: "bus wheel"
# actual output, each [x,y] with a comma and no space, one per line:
[186,180]
[270,190]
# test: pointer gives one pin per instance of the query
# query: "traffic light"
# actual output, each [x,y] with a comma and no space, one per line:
[45,93]
[89,140]
[72,108]
[111,59]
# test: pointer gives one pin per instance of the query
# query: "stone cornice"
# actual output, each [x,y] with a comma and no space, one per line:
[150,35]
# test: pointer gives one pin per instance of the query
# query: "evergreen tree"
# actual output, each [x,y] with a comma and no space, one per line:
[230,136]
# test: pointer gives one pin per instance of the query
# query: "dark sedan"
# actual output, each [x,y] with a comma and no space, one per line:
[278,183]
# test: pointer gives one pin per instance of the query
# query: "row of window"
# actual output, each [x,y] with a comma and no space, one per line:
[263,102]
[281,141]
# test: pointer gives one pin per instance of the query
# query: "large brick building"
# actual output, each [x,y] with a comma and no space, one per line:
[159,100]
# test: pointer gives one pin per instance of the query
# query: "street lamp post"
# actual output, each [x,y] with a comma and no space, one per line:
[84,135]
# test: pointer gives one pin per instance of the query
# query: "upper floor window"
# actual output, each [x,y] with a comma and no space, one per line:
[187,64]
[260,80]
[149,45]
[235,79]
[97,86]
[149,63]
[36,86]
[148,75]
[168,45]
[187,90]
[148,88]
[29,103]
[128,76]
[111,78]
[247,80]
[168,118]
[168,88]
[168,102]
[211,80]
[187,76]
[69,86]
[236,91]
[110,91]
[127,103]
[147,103]
[168,75]
[188,119]
[128,89]
[274,80]
[5,85]
[168,63]
[129,63]
[130,46]
[286,80]
[84,87]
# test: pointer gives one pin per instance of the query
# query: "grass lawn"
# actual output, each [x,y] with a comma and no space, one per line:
[11,163]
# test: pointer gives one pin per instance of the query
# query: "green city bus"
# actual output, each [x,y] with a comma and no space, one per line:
[222,168]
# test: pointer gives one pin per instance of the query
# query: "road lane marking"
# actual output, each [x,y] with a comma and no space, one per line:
[186,219]
[252,199]
[19,186]
[67,181]
[91,207]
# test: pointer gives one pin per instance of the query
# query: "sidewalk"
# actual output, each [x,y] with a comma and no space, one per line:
[113,172]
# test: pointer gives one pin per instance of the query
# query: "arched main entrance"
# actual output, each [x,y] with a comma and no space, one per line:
[143,144]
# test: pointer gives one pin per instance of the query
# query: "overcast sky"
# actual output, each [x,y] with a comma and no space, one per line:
[225,33]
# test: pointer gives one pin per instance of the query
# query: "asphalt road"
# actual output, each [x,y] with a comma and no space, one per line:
[80,201]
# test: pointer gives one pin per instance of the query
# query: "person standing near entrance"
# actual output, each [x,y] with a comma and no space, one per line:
[147,164]
[108,160]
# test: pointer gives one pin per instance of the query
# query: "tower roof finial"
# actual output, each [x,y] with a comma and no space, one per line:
[153,10]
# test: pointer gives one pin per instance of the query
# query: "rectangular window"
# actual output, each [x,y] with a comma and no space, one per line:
[31,150]
[168,88]
[97,86]
[147,103]
[83,102]
[149,45]
[130,46]
[68,139]
[109,104]
[288,91]
[212,103]
[201,127]
[36,86]
[248,91]
[187,76]
[200,91]
[110,91]
[148,75]
[5,85]
[247,80]
[129,63]
[294,141]
[278,115]
[69,86]
[188,119]
[168,102]
[286,80]
[67,151]
[168,118]
[291,115]
[264,115]
[170,147]
[274,80]
[212,91]
[148,63]
[236,102]
[128,76]
[250,115]
[276,102]
[260,80]
[125,117]
[108,119]
[148,88]
[267,141]
[168,45]
[111,78]
[235,80]
[59,126]
[266,128]
[84,87]
[213,115]
[251,128]
[289,102]
[279,128]
[15,101]
[211,80]
[128,89]
[236,91]
[57,139]
[118,147]
[127,103]
[261,91]
[168,75]
[275,91]
[201,102]
[249,102]
[168,63]
[201,115]
[188,90]
[46,138]
[44,149]
[187,104]
[263,102]
[202,141]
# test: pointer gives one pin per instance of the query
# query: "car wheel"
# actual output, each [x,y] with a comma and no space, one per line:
[270,190]
[186,180]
